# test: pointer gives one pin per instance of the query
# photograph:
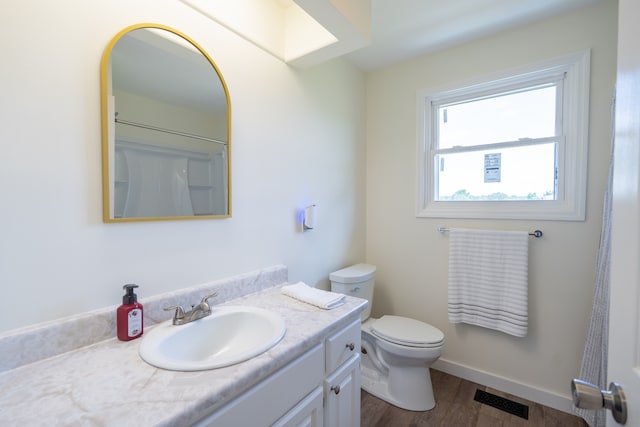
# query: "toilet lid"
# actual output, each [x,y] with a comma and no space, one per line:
[409,332]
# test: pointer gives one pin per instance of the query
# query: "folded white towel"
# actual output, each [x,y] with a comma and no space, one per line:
[488,279]
[305,293]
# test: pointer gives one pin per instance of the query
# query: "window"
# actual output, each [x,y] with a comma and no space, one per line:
[512,146]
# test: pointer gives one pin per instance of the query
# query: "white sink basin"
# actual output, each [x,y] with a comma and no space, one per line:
[230,335]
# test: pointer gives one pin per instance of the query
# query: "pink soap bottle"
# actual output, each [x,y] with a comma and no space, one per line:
[129,318]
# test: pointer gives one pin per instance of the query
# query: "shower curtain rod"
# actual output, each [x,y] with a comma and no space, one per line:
[173,132]
[537,233]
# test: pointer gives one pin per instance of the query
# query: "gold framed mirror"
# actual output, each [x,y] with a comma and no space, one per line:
[166,128]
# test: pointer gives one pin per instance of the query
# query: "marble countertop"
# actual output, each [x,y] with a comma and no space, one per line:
[108,384]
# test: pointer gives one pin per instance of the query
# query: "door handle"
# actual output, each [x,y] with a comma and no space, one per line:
[589,396]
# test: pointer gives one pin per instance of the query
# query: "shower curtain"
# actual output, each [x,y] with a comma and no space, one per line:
[158,184]
[594,358]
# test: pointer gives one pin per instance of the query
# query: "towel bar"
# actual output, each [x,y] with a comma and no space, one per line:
[536,233]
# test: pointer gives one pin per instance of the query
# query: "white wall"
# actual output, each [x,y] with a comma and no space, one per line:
[411,255]
[297,138]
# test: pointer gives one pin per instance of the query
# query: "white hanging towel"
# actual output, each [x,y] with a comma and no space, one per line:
[488,279]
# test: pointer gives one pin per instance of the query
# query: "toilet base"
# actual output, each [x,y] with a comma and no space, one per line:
[416,392]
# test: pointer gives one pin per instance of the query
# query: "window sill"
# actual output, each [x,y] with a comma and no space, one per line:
[547,210]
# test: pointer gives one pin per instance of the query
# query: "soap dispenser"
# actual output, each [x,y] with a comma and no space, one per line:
[130,322]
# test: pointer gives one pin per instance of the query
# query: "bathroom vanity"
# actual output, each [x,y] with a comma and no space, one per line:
[311,377]
[321,387]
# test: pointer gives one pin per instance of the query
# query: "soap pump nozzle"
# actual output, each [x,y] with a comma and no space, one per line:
[129,297]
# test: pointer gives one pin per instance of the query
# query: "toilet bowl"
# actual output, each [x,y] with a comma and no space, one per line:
[396,351]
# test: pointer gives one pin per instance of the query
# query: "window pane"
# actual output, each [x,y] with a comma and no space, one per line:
[505,117]
[517,173]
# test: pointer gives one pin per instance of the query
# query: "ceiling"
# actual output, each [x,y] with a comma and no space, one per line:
[372,33]
[404,29]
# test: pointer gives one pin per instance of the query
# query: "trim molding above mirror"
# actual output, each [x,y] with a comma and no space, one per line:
[166,128]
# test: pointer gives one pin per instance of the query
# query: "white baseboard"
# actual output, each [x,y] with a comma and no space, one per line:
[543,397]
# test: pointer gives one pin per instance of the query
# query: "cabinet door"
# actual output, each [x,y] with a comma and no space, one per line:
[307,413]
[271,399]
[342,395]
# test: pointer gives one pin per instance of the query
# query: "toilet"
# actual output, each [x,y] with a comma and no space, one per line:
[396,351]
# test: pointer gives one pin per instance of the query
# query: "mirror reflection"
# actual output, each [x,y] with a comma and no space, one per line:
[165,128]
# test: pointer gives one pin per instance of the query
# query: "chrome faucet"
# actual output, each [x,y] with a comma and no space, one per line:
[180,317]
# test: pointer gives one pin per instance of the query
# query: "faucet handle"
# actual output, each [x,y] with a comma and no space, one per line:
[205,299]
[179,312]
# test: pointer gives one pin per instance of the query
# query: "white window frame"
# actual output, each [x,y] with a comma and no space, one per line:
[570,204]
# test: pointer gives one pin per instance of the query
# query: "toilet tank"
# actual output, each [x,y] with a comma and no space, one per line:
[356,281]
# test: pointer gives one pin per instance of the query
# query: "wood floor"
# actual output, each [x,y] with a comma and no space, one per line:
[455,407]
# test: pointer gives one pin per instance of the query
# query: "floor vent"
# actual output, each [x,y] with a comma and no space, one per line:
[503,404]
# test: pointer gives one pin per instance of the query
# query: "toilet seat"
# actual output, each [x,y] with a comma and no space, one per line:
[407,332]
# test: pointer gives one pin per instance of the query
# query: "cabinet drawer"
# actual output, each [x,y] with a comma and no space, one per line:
[342,345]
